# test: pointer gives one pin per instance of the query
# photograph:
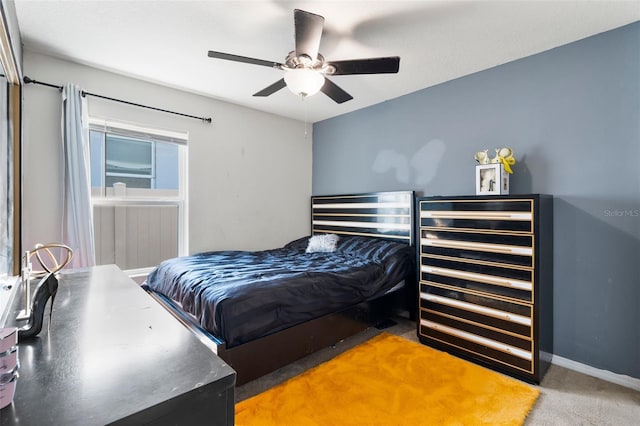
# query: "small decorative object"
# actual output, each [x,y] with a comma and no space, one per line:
[8,339]
[7,388]
[492,179]
[492,174]
[505,156]
[47,287]
[482,157]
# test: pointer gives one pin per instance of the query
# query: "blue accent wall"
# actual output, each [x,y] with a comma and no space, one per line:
[572,117]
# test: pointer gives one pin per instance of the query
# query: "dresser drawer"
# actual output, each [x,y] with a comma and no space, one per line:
[510,317]
[508,249]
[499,215]
[516,284]
[500,205]
[493,334]
[477,346]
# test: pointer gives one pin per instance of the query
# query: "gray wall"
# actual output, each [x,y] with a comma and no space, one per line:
[571,115]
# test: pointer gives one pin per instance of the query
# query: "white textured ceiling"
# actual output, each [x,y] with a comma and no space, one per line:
[167,41]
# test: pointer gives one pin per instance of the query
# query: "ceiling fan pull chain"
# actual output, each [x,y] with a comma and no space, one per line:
[306,110]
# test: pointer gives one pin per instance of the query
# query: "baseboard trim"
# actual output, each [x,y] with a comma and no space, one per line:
[609,376]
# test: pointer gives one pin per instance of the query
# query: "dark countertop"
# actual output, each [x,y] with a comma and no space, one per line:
[113,354]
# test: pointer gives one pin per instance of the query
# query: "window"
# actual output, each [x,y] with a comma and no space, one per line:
[140,161]
[138,184]
[10,171]
[136,163]
[6,184]
[130,161]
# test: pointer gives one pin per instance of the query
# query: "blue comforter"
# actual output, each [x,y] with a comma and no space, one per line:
[239,296]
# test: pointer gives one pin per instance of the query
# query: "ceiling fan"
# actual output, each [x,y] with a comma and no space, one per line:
[306,70]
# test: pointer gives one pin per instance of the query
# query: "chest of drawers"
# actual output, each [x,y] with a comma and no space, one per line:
[485,270]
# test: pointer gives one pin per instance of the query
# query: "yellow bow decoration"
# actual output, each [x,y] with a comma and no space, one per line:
[505,156]
[507,162]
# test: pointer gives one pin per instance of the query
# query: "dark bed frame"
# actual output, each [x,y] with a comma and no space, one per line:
[388,215]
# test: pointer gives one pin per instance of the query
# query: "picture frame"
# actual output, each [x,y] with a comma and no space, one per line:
[492,179]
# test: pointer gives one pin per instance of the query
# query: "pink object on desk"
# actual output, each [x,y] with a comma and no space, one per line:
[8,365]
[8,360]
[8,338]
[8,390]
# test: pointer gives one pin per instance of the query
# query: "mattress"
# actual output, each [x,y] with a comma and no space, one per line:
[239,296]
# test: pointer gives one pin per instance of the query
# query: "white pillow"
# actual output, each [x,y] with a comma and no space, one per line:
[322,243]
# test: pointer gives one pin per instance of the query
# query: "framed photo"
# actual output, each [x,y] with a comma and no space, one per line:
[491,179]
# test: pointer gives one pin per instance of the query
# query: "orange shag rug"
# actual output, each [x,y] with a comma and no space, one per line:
[389,380]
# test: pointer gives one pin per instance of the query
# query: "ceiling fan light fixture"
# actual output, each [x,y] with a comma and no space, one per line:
[303,81]
[305,69]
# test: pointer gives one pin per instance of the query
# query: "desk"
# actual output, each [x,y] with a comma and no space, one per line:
[114,355]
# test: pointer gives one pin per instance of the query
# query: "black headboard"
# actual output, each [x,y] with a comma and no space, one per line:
[377,214]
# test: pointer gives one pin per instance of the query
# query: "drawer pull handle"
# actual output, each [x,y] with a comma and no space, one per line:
[496,248]
[518,319]
[489,279]
[448,214]
[478,339]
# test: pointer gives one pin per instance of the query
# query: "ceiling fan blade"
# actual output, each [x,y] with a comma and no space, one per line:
[271,89]
[333,91]
[237,58]
[388,65]
[308,31]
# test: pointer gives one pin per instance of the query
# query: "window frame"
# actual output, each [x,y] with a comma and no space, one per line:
[136,196]
[13,75]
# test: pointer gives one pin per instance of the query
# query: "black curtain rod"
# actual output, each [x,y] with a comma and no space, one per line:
[28,80]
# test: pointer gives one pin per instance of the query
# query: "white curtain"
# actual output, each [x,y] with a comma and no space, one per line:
[77,221]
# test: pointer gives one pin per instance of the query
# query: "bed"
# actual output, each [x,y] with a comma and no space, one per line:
[262,310]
